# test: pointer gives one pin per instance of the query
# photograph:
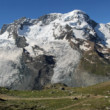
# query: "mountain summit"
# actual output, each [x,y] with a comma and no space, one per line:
[65,48]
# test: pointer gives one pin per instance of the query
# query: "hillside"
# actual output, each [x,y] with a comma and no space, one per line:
[57,97]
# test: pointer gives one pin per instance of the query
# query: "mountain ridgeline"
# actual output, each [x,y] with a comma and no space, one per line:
[68,48]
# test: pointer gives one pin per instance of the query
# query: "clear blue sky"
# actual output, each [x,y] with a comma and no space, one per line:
[10,10]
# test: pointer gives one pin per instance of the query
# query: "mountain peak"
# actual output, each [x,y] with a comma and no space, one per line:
[76,15]
[55,48]
[78,11]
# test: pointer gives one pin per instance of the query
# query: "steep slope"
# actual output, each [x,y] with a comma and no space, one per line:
[55,48]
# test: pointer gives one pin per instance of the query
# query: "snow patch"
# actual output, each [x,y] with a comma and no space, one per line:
[85,46]
[74,41]
[103,31]
[9,60]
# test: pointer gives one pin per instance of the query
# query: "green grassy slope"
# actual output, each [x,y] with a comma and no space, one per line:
[58,97]
[94,64]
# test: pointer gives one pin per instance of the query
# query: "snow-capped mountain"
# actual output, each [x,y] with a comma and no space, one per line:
[65,48]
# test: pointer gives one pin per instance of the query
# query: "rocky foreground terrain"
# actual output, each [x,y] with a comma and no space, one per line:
[69,48]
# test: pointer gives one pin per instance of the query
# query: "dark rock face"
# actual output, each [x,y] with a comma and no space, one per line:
[68,33]
[46,19]
[35,73]
[92,23]
[4,28]
[40,69]
[20,41]
[45,71]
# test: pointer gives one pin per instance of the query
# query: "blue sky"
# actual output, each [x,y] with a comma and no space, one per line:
[10,10]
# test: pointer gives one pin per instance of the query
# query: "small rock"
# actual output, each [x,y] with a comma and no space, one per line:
[75,98]
[88,95]
[62,88]
[107,108]
[108,91]
[2,100]
[106,97]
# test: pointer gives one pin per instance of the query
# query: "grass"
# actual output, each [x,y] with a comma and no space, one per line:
[94,64]
[93,104]
[95,97]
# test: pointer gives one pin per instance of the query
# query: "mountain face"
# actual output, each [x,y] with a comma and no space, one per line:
[56,48]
